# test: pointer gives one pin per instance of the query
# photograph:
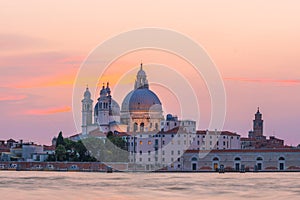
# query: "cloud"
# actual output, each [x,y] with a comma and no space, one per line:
[73,60]
[12,97]
[53,81]
[280,81]
[48,111]
[14,41]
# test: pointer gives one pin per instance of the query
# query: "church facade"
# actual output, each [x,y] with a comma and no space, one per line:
[141,110]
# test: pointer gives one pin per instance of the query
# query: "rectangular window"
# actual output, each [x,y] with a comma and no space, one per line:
[141,152]
[178,152]
[141,142]
[163,152]
[149,142]
[149,152]
[149,159]
[172,152]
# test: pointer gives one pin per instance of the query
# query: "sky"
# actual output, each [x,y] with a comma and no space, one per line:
[254,44]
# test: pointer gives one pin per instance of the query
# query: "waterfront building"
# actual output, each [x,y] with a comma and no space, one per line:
[25,151]
[240,160]
[153,141]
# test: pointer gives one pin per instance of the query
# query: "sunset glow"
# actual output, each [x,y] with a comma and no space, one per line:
[255,45]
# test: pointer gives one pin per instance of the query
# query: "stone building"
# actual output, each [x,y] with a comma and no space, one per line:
[256,138]
[240,160]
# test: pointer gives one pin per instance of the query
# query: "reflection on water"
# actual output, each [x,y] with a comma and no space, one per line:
[76,185]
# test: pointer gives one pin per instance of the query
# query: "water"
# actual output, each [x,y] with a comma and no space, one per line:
[133,186]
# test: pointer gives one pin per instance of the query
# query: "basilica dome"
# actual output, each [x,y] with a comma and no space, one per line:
[141,100]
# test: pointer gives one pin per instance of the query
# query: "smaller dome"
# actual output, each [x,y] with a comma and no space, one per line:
[141,72]
[103,91]
[115,108]
[87,94]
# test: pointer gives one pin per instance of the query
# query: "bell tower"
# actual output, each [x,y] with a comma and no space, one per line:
[104,109]
[87,111]
[258,124]
[257,132]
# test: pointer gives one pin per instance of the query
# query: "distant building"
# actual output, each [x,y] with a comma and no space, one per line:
[256,138]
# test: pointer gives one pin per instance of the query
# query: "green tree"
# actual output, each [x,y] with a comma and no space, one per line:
[60,140]
[60,153]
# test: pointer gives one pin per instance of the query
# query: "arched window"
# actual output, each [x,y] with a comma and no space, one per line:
[216,159]
[142,127]
[135,127]
[194,159]
[281,163]
[156,126]
[237,159]
[259,158]
[281,158]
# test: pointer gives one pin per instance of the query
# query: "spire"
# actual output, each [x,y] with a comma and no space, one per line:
[141,79]
[107,88]
[103,90]
[87,94]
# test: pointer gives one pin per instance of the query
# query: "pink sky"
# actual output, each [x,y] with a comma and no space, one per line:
[255,45]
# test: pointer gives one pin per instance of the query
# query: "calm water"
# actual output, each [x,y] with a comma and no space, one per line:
[76,185]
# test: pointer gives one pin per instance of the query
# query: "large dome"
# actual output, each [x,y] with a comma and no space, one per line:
[141,100]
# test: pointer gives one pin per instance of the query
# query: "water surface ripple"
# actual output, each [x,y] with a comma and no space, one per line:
[134,186]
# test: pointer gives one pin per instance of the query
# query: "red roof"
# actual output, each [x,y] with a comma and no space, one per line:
[76,135]
[248,139]
[10,140]
[202,132]
[175,130]
[49,148]
[97,133]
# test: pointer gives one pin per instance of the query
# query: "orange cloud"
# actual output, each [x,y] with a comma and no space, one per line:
[287,81]
[48,111]
[60,80]
[12,97]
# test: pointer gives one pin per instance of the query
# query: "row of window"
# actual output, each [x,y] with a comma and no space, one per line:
[156,159]
[156,152]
